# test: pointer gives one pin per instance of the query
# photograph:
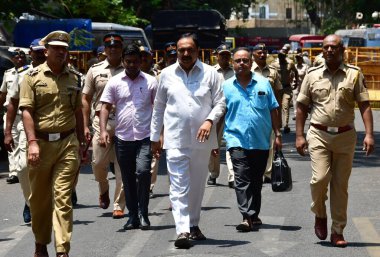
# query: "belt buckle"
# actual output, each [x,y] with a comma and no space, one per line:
[54,136]
[333,129]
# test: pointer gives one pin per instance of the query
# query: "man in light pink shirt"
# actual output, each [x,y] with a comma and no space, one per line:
[132,94]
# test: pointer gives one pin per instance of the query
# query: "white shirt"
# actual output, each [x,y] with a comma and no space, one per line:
[183,102]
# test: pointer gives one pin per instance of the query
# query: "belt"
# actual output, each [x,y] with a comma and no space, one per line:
[53,136]
[332,130]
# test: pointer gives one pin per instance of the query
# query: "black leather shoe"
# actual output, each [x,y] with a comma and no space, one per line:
[211,181]
[74,198]
[132,223]
[196,234]
[12,179]
[144,223]
[182,241]
[286,130]
[231,184]
[267,180]
[245,226]
[26,214]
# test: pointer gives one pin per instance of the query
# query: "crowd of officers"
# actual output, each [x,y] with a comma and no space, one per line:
[54,113]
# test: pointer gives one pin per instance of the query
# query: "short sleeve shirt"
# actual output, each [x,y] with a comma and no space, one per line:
[248,121]
[270,73]
[54,99]
[332,96]
[97,78]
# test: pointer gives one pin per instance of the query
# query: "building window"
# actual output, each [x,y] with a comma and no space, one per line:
[289,13]
[262,12]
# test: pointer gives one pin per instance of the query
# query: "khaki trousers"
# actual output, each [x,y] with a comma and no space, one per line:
[101,158]
[214,161]
[286,98]
[21,162]
[268,168]
[331,162]
[12,156]
[51,185]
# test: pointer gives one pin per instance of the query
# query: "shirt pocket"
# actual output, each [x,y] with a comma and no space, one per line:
[203,90]
[44,94]
[260,100]
[320,92]
[345,95]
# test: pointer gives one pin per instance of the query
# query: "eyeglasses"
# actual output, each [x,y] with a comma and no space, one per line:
[244,60]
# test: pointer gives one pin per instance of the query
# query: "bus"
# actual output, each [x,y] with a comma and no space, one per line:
[367,37]
[305,41]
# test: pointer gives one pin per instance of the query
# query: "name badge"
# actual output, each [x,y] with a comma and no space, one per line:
[54,136]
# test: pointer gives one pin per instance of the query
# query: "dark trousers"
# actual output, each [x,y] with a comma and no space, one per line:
[134,159]
[249,167]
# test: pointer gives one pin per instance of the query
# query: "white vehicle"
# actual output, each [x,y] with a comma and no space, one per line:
[129,34]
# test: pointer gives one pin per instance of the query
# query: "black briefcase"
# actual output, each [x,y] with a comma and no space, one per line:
[281,173]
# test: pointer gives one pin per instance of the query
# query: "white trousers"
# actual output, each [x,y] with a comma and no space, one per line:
[188,173]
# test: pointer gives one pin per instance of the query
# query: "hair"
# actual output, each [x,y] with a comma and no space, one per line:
[241,48]
[131,49]
[193,36]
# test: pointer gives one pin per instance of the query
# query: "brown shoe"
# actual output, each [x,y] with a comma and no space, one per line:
[41,251]
[104,200]
[245,226]
[118,214]
[338,240]
[182,241]
[320,228]
[256,221]
[62,255]
[196,234]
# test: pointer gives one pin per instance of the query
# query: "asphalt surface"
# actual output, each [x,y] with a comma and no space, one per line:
[287,229]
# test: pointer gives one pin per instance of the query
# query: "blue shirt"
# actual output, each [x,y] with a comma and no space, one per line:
[248,121]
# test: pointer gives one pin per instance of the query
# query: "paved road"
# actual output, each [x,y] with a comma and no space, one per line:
[287,229]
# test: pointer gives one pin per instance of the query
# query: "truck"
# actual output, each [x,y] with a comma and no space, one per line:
[86,35]
[305,41]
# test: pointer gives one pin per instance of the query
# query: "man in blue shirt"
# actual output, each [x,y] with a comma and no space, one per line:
[251,115]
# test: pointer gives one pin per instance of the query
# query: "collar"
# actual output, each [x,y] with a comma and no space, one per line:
[197,64]
[140,75]
[256,66]
[341,67]
[253,79]
[45,68]
[108,65]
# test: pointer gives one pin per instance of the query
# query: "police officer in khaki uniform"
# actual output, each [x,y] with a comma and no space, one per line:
[50,101]
[288,72]
[332,90]
[10,76]
[226,71]
[96,79]
[260,66]
[15,140]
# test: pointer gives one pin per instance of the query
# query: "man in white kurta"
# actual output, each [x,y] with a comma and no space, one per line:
[189,101]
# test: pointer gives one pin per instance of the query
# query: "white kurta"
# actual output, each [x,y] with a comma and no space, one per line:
[183,102]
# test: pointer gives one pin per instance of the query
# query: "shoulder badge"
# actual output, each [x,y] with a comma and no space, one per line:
[33,71]
[23,68]
[97,64]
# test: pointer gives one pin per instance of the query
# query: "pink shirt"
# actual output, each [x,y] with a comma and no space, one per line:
[133,100]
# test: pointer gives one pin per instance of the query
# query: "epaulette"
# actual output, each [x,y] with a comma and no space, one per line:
[315,68]
[75,72]
[353,67]
[97,64]
[23,68]
[10,70]
[33,71]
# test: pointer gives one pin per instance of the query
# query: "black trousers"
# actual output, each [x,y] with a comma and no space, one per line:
[249,167]
[134,159]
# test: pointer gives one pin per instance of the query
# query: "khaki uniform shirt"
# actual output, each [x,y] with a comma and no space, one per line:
[96,79]
[53,99]
[10,76]
[286,70]
[332,96]
[270,73]
[14,90]
[226,74]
